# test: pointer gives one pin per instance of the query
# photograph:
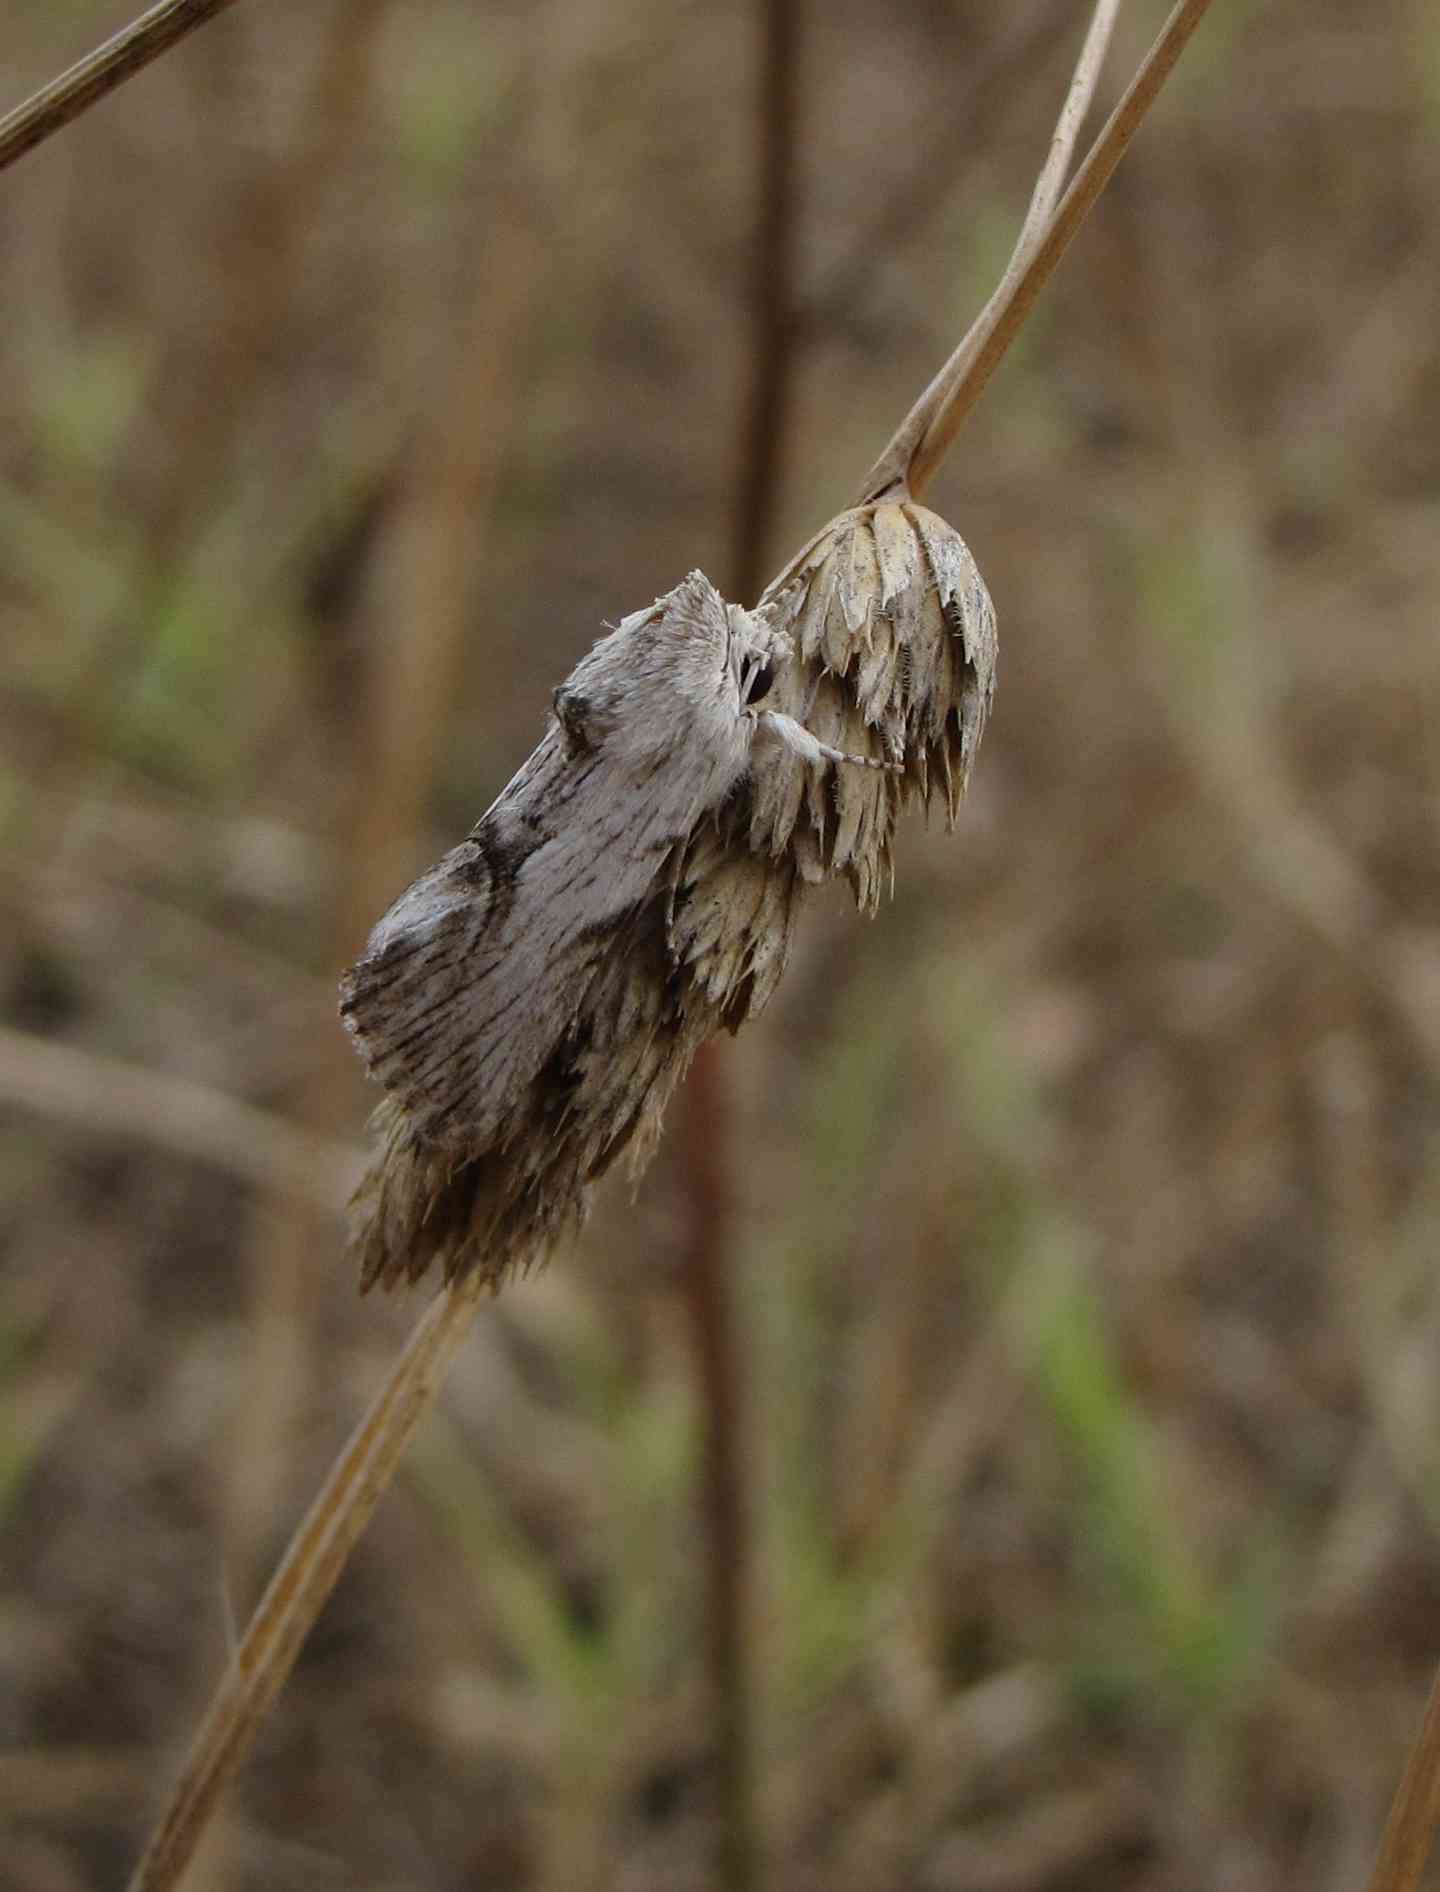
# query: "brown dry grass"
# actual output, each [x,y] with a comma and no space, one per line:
[1089,1213]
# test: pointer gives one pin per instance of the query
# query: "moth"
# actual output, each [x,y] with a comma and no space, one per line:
[530,1003]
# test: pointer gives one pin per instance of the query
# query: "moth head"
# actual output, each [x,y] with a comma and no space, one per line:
[757,655]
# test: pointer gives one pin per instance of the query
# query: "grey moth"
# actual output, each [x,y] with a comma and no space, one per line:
[530,1003]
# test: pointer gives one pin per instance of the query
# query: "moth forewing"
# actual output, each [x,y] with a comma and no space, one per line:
[479,970]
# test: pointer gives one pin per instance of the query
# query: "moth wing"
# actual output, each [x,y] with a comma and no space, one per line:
[478,976]
[478,973]
[409,1001]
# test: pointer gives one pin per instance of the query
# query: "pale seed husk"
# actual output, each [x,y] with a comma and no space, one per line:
[895,647]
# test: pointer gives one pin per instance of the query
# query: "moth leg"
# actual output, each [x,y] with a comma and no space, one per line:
[798,739]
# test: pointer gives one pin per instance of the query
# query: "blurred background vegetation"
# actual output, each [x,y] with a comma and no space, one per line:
[358,362]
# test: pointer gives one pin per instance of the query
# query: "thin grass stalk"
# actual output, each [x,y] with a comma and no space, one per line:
[1073,112]
[771,350]
[1032,232]
[1415,1811]
[926,434]
[936,162]
[708,1286]
[1041,208]
[304,1580]
[96,75]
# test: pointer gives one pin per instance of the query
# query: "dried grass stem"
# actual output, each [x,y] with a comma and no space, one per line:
[98,73]
[1415,1811]
[307,1574]
[928,431]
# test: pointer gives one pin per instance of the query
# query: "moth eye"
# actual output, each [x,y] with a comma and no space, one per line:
[760,682]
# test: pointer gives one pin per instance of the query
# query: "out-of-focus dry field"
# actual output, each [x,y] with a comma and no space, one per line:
[356,363]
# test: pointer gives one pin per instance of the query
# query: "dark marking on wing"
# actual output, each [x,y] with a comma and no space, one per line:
[572,709]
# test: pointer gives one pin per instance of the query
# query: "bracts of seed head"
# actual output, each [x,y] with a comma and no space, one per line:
[894,644]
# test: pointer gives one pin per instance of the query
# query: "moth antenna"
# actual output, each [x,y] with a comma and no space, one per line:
[798,739]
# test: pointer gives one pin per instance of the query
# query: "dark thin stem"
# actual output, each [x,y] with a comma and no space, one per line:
[705,1160]
[1415,1811]
[771,354]
[705,1120]
[75,91]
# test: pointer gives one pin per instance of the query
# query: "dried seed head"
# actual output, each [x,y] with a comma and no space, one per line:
[894,657]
